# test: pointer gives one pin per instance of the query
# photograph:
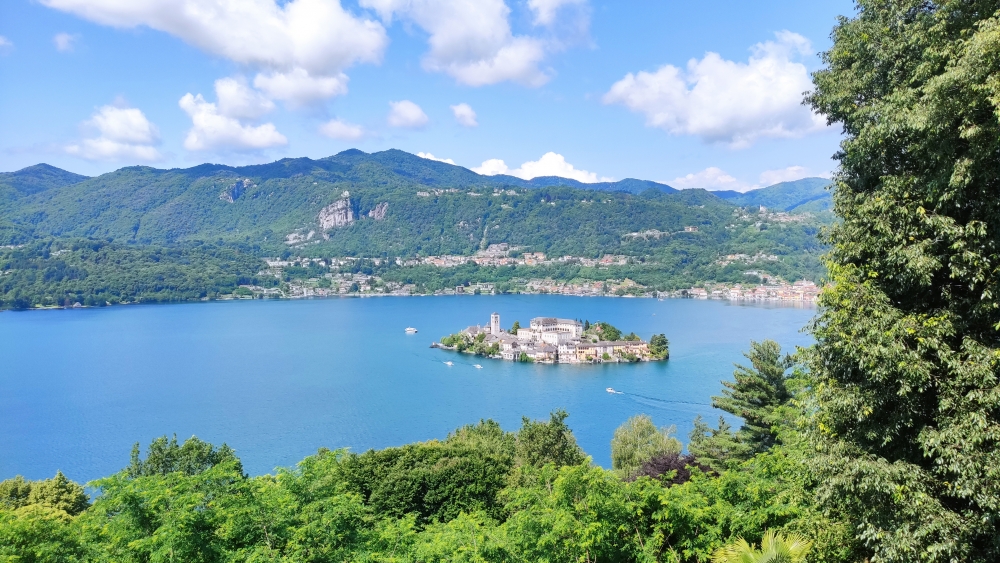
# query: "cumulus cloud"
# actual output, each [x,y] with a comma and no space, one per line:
[64,42]
[464,115]
[724,101]
[551,164]
[123,133]
[5,44]
[545,10]
[711,178]
[406,114]
[237,99]
[220,126]
[301,47]
[470,40]
[299,87]
[792,173]
[339,129]
[430,156]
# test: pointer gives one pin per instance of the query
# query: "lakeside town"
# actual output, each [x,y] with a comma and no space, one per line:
[325,279]
[555,340]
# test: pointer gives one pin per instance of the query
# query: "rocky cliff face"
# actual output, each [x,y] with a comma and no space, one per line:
[337,214]
[379,212]
[233,192]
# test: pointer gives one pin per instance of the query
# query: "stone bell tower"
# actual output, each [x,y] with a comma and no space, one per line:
[495,329]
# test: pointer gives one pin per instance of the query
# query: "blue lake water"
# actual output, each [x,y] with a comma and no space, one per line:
[278,379]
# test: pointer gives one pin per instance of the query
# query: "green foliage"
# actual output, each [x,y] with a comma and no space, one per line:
[715,446]
[515,327]
[165,456]
[36,534]
[58,493]
[907,340]
[774,548]
[637,441]
[434,480]
[659,347]
[606,331]
[542,442]
[756,392]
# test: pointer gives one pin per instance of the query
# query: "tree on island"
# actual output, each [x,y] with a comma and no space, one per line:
[515,327]
[659,347]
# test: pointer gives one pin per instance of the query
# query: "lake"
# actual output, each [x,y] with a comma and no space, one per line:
[278,379]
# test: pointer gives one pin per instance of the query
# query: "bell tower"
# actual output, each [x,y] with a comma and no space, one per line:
[495,329]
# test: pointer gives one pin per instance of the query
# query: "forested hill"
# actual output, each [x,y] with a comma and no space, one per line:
[386,203]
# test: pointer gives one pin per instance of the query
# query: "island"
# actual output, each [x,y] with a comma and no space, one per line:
[554,340]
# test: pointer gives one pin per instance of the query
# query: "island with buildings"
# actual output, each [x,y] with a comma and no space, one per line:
[552,340]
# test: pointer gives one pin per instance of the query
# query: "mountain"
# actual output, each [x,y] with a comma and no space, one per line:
[786,196]
[34,179]
[387,203]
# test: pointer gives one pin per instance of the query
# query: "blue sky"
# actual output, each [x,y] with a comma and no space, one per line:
[694,94]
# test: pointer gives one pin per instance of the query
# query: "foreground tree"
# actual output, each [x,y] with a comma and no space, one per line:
[908,339]
[637,441]
[774,548]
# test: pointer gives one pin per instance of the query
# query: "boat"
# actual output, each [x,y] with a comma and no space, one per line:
[449,363]
[611,390]
[477,366]
[411,330]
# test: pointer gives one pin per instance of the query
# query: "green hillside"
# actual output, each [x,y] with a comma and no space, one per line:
[807,194]
[382,205]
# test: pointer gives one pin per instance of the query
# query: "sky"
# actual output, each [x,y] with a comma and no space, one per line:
[693,94]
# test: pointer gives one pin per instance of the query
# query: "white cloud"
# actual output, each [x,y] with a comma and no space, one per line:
[464,115]
[219,126]
[407,114]
[123,133]
[545,10]
[64,42]
[711,178]
[491,167]
[339,129]
[430,156]
[792,173]
[238,100]
[551,164]
[727,101]
[5,44]
[470,40]
[307,42]
[299,87]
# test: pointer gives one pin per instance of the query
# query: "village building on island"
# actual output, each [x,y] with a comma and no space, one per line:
[552,340]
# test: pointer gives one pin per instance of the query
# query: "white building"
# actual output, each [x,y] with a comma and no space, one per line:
[495,324]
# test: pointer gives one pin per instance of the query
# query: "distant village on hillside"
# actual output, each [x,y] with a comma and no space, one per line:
[325,277]
[554,340]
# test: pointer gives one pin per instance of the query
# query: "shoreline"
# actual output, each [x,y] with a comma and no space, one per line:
[776,303]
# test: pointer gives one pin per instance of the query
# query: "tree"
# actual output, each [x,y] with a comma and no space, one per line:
[715,446]
[756,392]
[672,468]
[907,337]
[774,548]
[166,456]
[659,347]
[637,441]
[58,493]
[608,332]
[540,442]
[515,327]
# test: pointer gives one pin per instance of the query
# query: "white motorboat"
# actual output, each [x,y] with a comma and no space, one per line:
[411,330]
[611,390]
[477,366]
[449,363]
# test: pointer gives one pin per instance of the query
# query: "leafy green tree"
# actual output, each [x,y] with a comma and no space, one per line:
[907,337]
[659,346]
[774,548]
[637,441]
[756,392]
[58,493]
[608,332]
[166,456]
[515,327]
[541,442]
[37,534]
